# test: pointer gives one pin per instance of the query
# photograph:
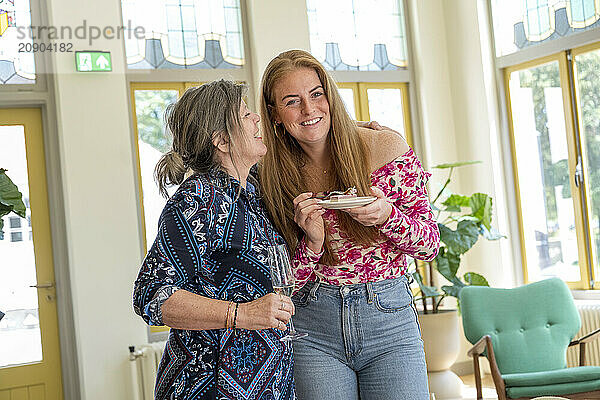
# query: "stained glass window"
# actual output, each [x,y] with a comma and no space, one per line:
[183,34]
[522,23]
[16,56]
[360,35]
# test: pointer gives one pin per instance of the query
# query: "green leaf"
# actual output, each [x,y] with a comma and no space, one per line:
[10,197]
[481,206]
[453,290]
[475,279]
[459,241]
[455,202]
[491,234]
[427,291]
[467,218]
[447,264]
[456,164]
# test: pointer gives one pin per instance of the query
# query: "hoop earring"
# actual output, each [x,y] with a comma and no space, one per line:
[275,128]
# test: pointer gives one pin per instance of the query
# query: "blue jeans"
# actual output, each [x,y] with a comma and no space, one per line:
[364,342]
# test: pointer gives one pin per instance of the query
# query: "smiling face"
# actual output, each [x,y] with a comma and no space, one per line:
[302,106]
[251,147]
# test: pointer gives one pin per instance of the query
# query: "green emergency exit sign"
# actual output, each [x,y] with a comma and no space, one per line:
[93,61]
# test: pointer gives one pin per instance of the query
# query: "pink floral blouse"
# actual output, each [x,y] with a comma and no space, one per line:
[410,230]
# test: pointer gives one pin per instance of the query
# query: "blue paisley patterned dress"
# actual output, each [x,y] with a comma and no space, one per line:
[214,245]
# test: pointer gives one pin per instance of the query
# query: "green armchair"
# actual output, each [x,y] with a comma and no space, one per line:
[524,333]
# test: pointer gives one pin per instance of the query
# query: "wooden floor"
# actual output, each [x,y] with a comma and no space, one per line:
[470,393]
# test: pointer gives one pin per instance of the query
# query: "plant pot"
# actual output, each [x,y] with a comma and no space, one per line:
[441,333]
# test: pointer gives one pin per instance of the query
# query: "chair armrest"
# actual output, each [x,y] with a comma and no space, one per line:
[479,347]
[586,338]
[485,343]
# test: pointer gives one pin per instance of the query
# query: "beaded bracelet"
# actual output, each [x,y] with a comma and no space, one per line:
[235,315]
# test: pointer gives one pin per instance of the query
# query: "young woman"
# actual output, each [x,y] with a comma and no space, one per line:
[354,302]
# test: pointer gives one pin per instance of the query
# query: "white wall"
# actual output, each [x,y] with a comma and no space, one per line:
[275,26]
[456,89]
[100,204]
[457,101]
[474,108]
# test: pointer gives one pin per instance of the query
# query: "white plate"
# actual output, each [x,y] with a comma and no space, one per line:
[347,203]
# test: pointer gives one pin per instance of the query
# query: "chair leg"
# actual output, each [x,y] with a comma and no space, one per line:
[477,373]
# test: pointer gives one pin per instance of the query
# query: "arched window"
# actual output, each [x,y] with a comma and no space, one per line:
[583,13]
[363,35]
[17,64]
[539,20]
[183,34]
[522,23]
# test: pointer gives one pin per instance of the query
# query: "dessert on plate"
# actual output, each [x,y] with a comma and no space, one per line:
[338,200]
[335,196]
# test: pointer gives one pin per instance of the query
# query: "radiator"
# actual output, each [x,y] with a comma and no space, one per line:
[590,321]
[143,362]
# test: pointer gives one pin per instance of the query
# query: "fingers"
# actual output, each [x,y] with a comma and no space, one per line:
[309,212]
[377,192]
[372,214]
[270,311]
[300,198]
[306,210]
[375,125]
[370,124]
[279,304]
[282,308]
[365,210]
[316,214]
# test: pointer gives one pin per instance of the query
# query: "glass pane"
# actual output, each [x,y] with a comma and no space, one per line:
[588,82]
[541,154]
[16,55]
[364,35]
[348,99]
[20,336]
[385,107]
[150,106]
[183,34]
[522,23]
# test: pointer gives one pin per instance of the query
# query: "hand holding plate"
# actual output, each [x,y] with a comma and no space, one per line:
[375,213]
[309,217]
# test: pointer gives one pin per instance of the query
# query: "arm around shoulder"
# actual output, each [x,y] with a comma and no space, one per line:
[383,146]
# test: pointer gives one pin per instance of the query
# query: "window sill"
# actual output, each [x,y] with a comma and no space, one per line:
[586,295]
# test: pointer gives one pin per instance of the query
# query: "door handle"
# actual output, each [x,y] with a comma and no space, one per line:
[43,286]
[578,173]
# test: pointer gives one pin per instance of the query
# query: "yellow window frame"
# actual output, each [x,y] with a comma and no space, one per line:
[578,200]
[180,87]
[361,101]
[587,195]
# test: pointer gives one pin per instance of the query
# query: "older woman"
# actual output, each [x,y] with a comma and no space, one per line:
[206,276]
[355,302]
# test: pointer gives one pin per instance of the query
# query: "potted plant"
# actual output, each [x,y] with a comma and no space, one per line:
[11,200]
[462,220]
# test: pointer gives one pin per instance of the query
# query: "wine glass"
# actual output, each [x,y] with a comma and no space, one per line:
[283,281]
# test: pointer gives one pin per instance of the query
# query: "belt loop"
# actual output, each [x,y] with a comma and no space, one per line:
[313,291]
[370,293]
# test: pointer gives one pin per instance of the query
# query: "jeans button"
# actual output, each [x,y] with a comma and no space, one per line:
[345,290]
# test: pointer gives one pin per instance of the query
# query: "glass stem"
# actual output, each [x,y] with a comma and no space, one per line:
[292,329]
